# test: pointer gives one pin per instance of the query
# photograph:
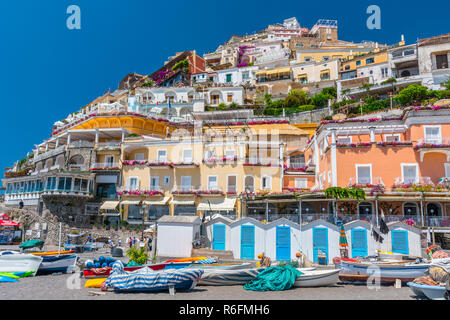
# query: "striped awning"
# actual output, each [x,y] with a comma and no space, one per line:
[183,202]
[109,205]
[277,71]
[159,202]
[217,204]
[130,202]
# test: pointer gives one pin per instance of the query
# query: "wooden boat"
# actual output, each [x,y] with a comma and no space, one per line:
[53,264]
[384,271]
[52,253]
[212,277]
[13,261]
[317,278]
[430,292]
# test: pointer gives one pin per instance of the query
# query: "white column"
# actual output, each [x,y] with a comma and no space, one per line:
[46,147]
[68,138]
[372,134]
[97,134]
[123,135]
[57,143]
[333,158]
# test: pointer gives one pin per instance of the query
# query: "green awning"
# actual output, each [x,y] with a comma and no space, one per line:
[31,244]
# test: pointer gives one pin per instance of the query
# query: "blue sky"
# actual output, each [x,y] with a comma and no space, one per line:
[48,71]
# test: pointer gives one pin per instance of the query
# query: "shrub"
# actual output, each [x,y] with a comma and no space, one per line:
[222,106]
[137,255]
[413,94]
[331,91]
[320,100]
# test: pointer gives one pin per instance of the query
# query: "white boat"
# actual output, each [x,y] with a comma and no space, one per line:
[222,277]
[431,292]
[220,266]
[386,272]
[54,264]
[317,278]
[13,261]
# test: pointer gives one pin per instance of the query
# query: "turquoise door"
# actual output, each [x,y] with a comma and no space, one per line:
[283,243]
[248,242]
[400,242]
[359,243]
[218,237]
[320,242]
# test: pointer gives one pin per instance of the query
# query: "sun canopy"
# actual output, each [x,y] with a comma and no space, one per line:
[160,202]
[9,223]
[109,205]
[130,202]
[343,238]
[183,202]
[224,204]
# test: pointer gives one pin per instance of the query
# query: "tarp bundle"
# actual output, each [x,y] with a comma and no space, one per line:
[148,280]
[31,244]
[274,279]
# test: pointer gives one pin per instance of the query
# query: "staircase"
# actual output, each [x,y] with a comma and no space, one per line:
[218,254]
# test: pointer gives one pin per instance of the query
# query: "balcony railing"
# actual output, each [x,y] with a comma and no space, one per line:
[108,144]
[262,162]
[77,167]
[81,144]
[105,166]
[366,181]
[413,180]
[433,142]
[212,190]
[185,189]
[49,153]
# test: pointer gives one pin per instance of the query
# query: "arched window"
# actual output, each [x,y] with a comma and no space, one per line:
[410,209]
[434,210]
[49,163]
[405,73]
[249,184]
[297,161]
[365,208]
[77,159]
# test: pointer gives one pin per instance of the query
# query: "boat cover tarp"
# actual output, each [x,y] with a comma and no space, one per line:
[56,258]
[7,279]
[148,280]
[274,279]
[31,244]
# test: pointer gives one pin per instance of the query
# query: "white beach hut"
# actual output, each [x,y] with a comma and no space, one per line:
[323,236]
[404,239]
[175,235]
[283,240]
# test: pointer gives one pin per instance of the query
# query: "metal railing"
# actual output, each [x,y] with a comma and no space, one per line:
[413,180]
[366,181]
[49,153]
[81,144]
[434,141]
[105,165]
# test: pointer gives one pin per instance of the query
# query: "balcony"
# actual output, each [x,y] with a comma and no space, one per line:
[366,182]
[212,191]
[262,162]
[81,144]
[105,166]
[185,164]
[160,164]
[185,190]
[110,145]
[49,154]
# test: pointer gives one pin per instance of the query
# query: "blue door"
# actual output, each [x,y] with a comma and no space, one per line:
[400,242]
[218,237]
[248,242]
[283,243]
[359,243]
[320,242]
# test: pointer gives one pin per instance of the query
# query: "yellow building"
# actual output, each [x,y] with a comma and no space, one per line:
[209,172]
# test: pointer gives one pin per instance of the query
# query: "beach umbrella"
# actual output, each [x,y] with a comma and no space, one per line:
[4,217]
[343,238]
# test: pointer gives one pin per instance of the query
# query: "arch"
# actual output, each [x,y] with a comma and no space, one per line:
[191,95]
[215,97]
[60,160]
[48,163]
[147,98]
[172,95]
[434,209]
[249,183]
[410,209]
[405,73]
[39,166]
[185,111]
[76,159]
[365,208]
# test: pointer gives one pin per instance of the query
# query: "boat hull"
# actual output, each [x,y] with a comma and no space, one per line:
[351,271]
[19,262]
[317,278]
[431,292]
[64,264]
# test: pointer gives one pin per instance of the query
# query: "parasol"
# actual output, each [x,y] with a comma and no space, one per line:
[343,238]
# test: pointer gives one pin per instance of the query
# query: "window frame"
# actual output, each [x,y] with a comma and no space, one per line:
[403,165]
[361,165]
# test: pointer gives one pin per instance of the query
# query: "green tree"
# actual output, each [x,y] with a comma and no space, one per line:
[296,98]
[413,94]
[331,91]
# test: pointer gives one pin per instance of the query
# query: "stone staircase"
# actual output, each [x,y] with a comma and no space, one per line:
[218,254]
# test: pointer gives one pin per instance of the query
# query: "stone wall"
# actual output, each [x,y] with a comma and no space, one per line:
[313,116]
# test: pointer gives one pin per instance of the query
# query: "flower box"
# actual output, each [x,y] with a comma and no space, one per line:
[394,144]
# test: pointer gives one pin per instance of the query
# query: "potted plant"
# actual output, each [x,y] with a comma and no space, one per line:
[16,241]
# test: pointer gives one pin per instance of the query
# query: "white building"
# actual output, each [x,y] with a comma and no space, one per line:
[237,76]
